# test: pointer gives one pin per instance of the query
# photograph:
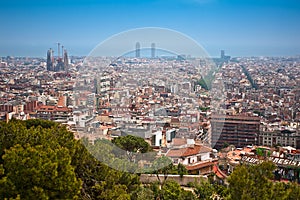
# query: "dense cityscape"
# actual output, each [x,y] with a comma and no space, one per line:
[150,100]
[166,101]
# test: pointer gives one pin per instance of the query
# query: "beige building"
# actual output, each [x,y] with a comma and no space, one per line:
[282,138]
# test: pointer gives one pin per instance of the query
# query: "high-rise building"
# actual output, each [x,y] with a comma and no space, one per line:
[66,60]
[102,86]
[222,54]
[49,60]
[137,50]
[153,50]
[234,130]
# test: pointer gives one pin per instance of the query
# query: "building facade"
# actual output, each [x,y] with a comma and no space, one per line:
[234,130]
[280,137]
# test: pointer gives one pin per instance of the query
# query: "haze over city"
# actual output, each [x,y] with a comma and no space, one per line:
[242,28]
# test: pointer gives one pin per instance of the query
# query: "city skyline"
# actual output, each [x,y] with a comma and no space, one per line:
[241,28]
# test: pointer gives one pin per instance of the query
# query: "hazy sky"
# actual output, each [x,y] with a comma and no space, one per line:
[241,27]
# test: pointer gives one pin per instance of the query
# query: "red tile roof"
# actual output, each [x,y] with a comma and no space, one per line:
[199,165]
[188,151]
[218,172]
[53,109]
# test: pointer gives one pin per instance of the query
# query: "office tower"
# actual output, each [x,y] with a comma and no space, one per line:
[222,54]
[234,130]
[153,50]
[137,50]
[66,60]
[49,60]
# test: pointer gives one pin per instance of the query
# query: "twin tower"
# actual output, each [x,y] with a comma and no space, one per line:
[138,50]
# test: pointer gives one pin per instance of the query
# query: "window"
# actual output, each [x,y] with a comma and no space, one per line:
[198,158]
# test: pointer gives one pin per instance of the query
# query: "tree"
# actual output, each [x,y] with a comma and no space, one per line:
[171,190]
[143,193]
[162,165]
[39,172]
[225,145]
[117,191]
[181,170]
[250,182]
[41,159]
[132,145]
[204,190]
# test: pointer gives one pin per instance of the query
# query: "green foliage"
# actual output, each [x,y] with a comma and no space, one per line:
[41,160]
[39,172]
[187,195]
[226,144]
[36,161]
[181,170]
[143,193]
[207,189]
[162,165]
[171,190]
[116,191]
[258,113]
[203,84]
[35,123]
[253,84]
[204,109]
[204,190]
[253,182]
[132,145]
[206,81]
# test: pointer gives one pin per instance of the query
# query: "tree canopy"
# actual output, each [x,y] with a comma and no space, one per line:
[132,145]
[254,182]
[42,160]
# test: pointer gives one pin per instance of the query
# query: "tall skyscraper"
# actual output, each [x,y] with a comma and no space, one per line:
[137,50]
[66,60]
[224,57]
[153,50]
[222,54]
[49,60]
